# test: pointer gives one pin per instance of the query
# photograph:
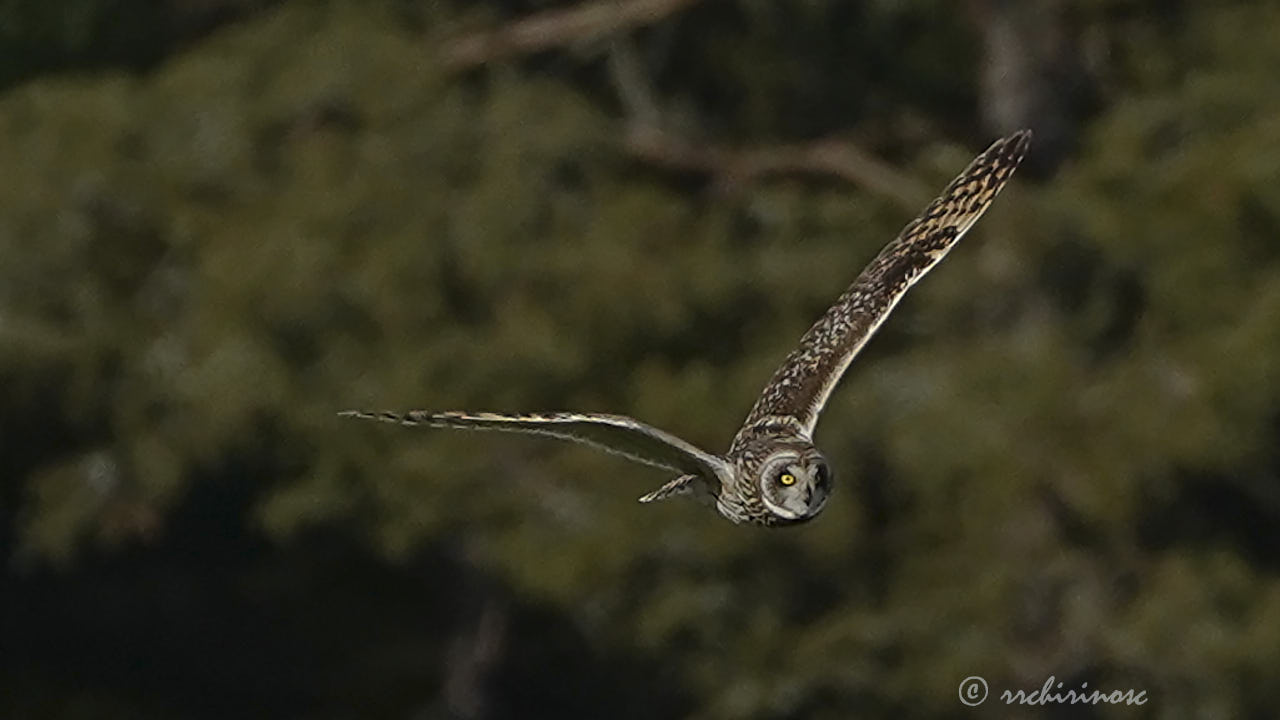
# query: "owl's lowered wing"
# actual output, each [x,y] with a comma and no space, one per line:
[612,433]
[800,388]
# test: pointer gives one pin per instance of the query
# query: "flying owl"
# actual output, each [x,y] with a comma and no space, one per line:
[773,475]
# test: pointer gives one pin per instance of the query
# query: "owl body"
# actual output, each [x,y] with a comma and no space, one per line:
[772,474]
[762,456]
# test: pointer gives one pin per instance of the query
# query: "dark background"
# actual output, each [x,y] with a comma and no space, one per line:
[223,221]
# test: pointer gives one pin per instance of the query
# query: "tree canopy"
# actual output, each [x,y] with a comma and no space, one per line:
[1058,458]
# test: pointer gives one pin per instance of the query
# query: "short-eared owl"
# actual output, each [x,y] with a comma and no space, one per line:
[772,473]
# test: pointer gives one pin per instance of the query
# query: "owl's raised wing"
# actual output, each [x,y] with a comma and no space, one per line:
[612,433]
[800,388]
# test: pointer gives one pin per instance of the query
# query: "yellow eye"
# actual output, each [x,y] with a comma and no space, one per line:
[787,479]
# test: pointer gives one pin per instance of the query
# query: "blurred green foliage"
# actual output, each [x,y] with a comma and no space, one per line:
[1059,457]
[39,37]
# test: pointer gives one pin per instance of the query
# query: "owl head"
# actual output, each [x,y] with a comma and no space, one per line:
[794,484]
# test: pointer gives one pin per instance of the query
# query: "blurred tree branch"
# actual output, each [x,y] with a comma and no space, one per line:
[735,166]
[472,660]
[646,140]
[555,28]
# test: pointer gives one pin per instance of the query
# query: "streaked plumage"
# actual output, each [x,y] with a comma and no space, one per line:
[772,473]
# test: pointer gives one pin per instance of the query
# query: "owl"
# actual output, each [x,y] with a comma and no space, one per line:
[773,474]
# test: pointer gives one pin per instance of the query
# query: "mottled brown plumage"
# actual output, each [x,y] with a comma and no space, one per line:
[802,385]
[772,473]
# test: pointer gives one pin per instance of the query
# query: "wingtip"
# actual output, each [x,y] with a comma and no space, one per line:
[412,418]
[367,415]
[1009,150]
[1019,142]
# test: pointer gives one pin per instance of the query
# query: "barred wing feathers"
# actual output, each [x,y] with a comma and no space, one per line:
[800,387]
[615,434]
